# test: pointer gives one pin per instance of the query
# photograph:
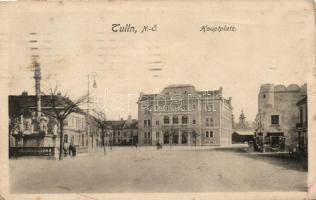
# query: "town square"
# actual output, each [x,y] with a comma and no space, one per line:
[170,170]
[206,98]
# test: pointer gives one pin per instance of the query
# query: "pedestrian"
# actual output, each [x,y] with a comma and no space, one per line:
[70,149]
[65,148]
[74,151]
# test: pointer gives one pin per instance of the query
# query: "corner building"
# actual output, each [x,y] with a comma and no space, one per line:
[278,115]
[181,115]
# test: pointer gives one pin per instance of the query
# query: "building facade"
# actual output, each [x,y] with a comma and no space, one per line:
[182,115]
[301,126]
[124,132]
[277,117]
[130,131]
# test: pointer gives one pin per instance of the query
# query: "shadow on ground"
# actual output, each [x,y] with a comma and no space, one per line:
[287,161]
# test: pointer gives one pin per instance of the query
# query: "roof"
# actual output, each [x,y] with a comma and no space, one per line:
[244,132]
[131,124]
[179,86]
[116,124]
[19,104]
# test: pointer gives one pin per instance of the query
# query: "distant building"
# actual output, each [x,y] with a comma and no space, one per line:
[243,131]
[181,115]
[302,125]
[277,117]
[95,134]
[124,132]
[130,131]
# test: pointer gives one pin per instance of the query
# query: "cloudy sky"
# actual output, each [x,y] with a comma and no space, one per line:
[272,44]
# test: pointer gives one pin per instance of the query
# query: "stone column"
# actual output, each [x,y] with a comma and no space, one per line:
[179,137]
[189,138]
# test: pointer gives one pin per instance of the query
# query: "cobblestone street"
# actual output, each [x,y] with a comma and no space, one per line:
[179,169]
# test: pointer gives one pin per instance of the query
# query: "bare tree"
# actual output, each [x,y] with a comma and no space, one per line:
[100,118]
[60,107]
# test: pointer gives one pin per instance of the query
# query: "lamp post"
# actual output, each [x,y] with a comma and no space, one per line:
[88,106]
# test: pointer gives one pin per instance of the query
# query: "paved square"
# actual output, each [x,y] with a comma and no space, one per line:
[179,169]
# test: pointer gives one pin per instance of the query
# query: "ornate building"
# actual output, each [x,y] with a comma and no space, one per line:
[181,115]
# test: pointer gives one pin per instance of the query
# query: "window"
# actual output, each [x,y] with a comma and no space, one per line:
[207,121]
[264,96]
[157,122]
[145,123]
[275,119]
[65,138]
[193,106]
[119,133]
[166,120]
[209,107]
[211,122]
[301,115]
[175,120]
[149,123]
[148,134]
[184,120]
[194,121]
[207,134]
[211,134]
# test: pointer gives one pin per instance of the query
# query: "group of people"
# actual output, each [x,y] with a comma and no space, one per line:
[70,150]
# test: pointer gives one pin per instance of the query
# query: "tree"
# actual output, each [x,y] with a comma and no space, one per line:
[60,107]
[100,118]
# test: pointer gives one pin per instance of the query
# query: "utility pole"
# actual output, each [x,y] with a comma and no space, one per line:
[88,108]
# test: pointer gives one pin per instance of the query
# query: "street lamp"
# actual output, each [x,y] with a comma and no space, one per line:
[88,107]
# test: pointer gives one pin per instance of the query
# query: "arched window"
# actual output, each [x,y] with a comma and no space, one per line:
[184,120]
[207,134]
[166,120]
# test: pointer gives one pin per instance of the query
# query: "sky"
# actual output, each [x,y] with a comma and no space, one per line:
[271,44]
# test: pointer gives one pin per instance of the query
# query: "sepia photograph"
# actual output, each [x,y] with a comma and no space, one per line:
[145,99]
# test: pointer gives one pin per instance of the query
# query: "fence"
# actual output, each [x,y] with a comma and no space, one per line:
[31,151]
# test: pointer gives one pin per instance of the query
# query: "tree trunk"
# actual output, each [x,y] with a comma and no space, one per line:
[61,142]
[103,140]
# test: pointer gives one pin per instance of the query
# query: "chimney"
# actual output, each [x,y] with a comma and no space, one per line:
[220,91]
[122,119]
[24,93]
